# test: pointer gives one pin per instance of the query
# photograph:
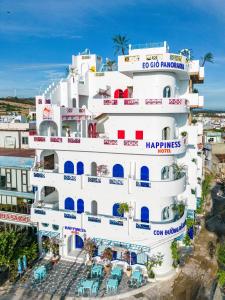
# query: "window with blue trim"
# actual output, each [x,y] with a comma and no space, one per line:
[80,206]
[144,214]
[118,171]
[144,173]
[69,203]
[69,167]
[80,168]
[115,210]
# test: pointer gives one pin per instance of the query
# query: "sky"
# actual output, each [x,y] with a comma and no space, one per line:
[38,38]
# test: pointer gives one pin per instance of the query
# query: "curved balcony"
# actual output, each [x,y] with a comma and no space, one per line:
[104,145]
[161,230]
[131,105]
[155,62]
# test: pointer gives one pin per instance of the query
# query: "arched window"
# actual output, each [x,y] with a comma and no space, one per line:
[94,207]
[79,243]
[144,173]
[165,173]
[118,93]
[115,210]
[133,258]
[93,169]
[118,171]
[80,168]
[166,133]
[80,206]
[69,167]
[144,214]
[91,130]
[69,203]
[166,92]
[166,213]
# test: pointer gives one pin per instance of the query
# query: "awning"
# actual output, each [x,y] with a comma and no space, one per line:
[50,234]
[122,245]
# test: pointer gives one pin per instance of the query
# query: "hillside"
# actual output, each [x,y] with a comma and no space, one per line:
[16,105]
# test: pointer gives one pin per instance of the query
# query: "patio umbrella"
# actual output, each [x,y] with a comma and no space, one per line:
[20,267]
[25,262]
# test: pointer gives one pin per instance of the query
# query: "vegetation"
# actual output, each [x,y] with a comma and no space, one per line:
[184,133]
[206,185]
[221,254]
[187,240]
[89,247]
[110,64]
[120,44]
[154,261]
[123,208]
[221,277]
[178,170]
[13,245]
[50,244]
[107,255]
[190,222]
[179,208]
[175,253]
[208,57]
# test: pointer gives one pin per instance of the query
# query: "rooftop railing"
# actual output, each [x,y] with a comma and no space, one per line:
[147,45]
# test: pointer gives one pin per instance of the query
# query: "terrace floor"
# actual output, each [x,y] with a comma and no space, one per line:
[61,281]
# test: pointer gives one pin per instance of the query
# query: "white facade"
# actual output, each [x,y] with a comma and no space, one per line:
[113,137]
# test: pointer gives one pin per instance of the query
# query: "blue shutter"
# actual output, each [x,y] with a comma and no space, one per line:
[69,167]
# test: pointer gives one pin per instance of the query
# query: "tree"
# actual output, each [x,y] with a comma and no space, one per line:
[206,185]
[208,57]
[153,261]
[110,64]
[175,253]
[120,44]
[123,208]
[89,247]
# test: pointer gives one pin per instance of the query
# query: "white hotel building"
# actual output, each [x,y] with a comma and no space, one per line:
[111,137]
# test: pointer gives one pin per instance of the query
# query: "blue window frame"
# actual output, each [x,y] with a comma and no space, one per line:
[79,243]
[69,167]
[115,210]
[144,214]
[80,206]
[118,171]
[144,173]
[69,203]
[80,168]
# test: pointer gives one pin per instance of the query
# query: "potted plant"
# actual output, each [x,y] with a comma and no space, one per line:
[178,170]
[175,253]
[184,133]
[107,256]
[123,208]
[89,248]
[153,261]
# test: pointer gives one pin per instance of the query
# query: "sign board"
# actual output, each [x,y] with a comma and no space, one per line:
[14,218]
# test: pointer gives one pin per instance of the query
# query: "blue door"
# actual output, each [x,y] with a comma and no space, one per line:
[80,168]
[78,242]
[69,203]
[133,258]
[80,206]
[114,255]
[145,214]
[69,167]
[144,173]
[118,171]
[115,210]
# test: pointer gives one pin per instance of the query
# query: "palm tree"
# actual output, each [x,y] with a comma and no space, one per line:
[110,64]
[120,43]
[208,57]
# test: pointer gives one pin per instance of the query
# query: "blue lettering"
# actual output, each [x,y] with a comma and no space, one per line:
[148,145]
[157,145]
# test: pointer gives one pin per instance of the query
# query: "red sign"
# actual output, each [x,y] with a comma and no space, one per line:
[131,101]
[153,101]
[56,139]
[110,102]
[39,139]
[72,140]
[15,217]
[175,101]
[130,143]
[110,142]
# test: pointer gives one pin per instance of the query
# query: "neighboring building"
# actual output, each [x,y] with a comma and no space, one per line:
[14,131]
[213,137]
[119,137]
[16,193]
